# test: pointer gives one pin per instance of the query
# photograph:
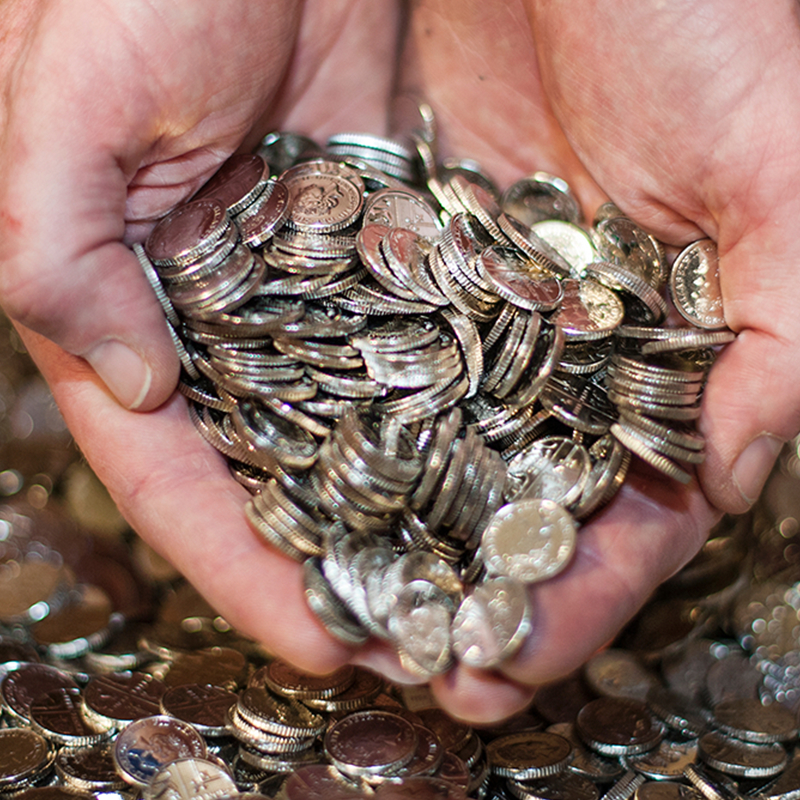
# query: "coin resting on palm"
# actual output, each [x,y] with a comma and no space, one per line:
[395,358]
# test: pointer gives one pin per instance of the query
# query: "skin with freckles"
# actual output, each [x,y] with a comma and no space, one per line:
[112,112]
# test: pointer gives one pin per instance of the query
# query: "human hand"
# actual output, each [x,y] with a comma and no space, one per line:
[476,64]
[112,114]
[682,113]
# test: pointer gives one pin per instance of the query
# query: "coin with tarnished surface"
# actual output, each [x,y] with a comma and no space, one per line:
[529,755]
[694,285]
[370,742]
[123,698]
[743,759]
[749,720]
[21,687]
[23,753]
[529,540]
[521,283]
[148,744]
[618,726]
[57,716]
[186,231]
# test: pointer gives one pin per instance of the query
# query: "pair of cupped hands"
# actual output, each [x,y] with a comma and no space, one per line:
[686,114]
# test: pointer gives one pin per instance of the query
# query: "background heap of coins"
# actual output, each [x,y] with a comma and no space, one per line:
[425,384]
[117,686]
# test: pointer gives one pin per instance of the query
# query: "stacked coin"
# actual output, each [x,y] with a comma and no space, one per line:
[395,359]
[180,705]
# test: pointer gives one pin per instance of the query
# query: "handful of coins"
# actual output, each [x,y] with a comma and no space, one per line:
[426,384]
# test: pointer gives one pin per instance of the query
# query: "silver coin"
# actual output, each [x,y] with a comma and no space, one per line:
[491,623]
[694,285]
[529,540]
[189,778]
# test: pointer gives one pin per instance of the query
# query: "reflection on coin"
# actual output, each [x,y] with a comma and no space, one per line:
[148,744]
[491,623]
[369,742]
[529,755]
[529,540]
[324,196]
[694,285]
[744,759]
[190,779]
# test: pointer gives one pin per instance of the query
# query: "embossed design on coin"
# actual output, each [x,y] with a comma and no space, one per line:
[202,705]
[21,687]
[694,285]
[521,283]
[529,755]
[123,698]
[57,716]
[491,623]
[529,540]
[324,196]
[589,310]
[22,753]
[186,230]
[190,779]
[617,726]
[148,744]
[369,742]
[398,209]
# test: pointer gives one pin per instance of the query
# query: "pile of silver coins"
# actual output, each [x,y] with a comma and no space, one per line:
[426,384]
[136,688]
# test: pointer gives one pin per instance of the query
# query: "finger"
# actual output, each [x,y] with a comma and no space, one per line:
[752,401]
[479,697]
[488,99]
[177,491]
[648,533]
[64,271]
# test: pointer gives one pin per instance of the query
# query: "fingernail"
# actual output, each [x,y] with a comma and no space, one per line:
[753,466]
[124,371]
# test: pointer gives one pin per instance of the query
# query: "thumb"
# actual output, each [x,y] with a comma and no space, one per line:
[752,400]
[65,273]
[64,270]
